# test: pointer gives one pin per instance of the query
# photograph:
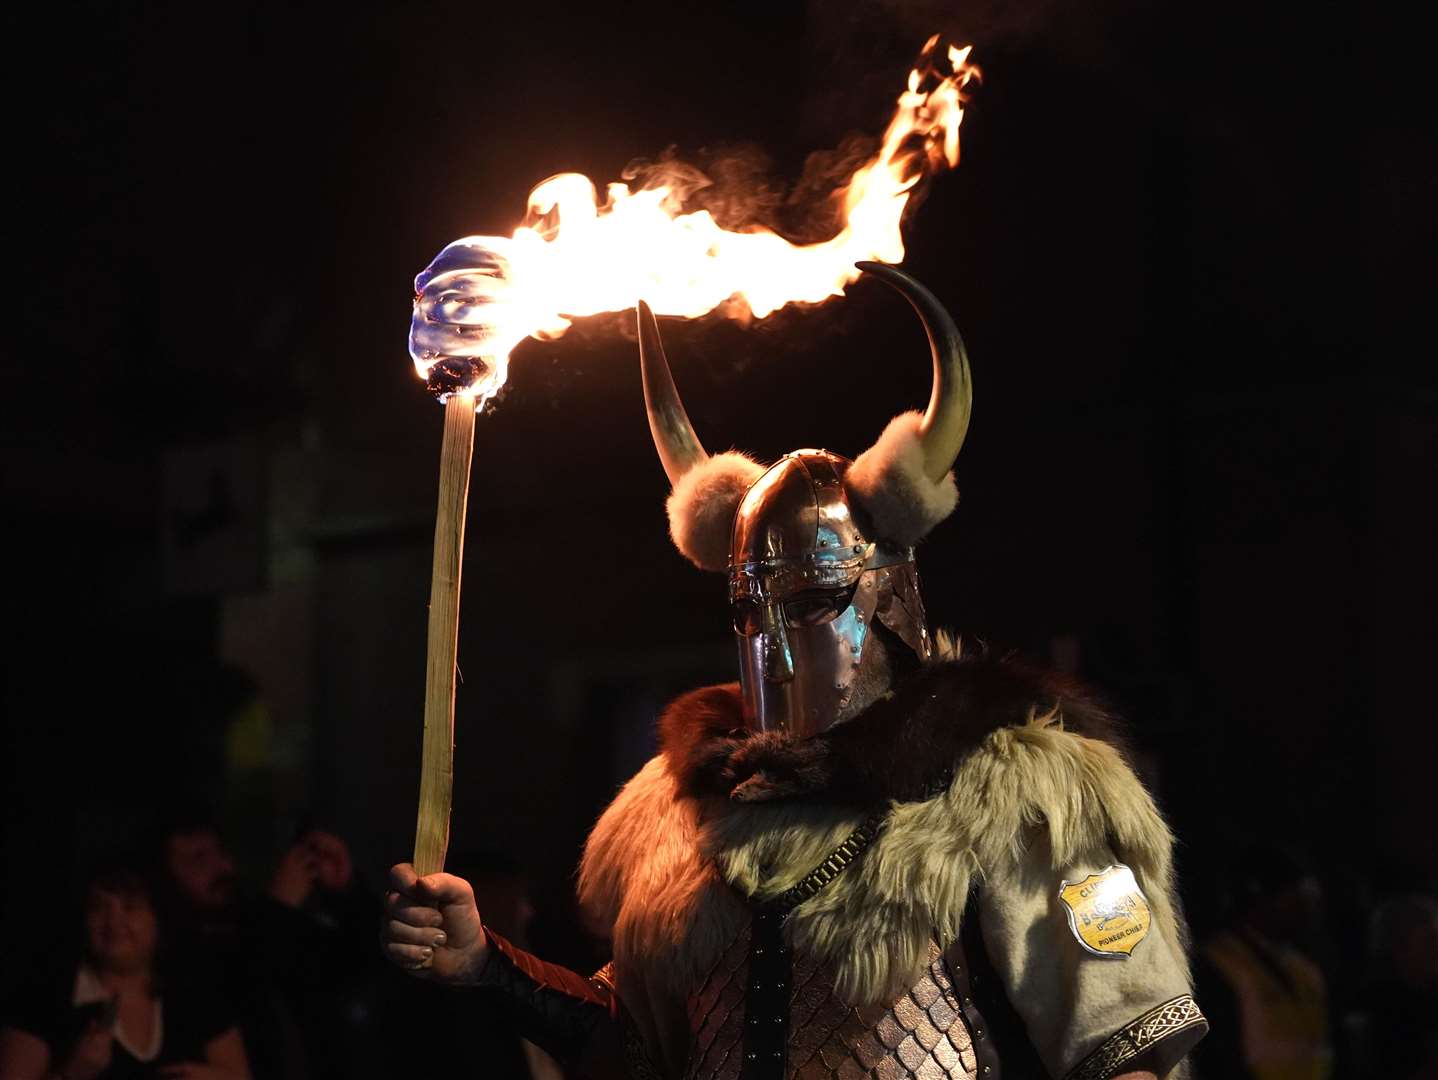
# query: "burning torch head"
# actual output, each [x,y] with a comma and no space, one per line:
[819,551]
[464,324]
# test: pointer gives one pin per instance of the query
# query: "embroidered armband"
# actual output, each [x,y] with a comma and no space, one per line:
[1178,1017]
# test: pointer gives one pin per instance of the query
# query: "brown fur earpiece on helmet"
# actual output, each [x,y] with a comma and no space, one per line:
[889,482]
[703,504]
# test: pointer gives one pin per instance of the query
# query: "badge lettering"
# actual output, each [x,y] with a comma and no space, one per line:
[1107,912]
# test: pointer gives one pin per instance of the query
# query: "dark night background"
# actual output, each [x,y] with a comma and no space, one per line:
[1186,245]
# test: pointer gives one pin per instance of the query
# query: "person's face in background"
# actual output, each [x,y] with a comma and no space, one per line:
[121,929]
[201,868]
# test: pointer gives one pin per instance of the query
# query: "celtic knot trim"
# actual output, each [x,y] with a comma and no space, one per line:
[1131,1040]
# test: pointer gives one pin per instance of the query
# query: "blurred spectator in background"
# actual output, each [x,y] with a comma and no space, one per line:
[1401,1004]
[1265,997]
[298,961]
[118,1010]
[469,1034]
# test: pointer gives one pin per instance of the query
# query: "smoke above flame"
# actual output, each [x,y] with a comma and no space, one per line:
[577,255]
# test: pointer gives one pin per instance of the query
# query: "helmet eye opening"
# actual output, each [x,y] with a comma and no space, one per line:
[812,607]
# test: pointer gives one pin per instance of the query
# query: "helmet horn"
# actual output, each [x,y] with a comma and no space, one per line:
[946,422]
[679,448]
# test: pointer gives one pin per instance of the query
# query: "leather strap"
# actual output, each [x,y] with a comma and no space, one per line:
[958,959]
[1001,1040]
[815,880]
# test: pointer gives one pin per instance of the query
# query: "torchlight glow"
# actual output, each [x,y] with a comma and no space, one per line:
[576,256]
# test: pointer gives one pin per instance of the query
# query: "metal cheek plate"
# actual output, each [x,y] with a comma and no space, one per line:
[901,608]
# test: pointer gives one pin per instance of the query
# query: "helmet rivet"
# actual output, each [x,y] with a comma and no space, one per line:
[858,549]
[823,543]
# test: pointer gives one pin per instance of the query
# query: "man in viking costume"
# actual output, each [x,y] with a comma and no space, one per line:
[871,856]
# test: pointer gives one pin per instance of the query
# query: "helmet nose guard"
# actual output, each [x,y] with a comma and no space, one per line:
[774,640]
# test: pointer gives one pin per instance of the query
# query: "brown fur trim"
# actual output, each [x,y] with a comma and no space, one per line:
[902,748]
[699,732]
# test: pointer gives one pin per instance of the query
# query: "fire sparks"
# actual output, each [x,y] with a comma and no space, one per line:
[576,256]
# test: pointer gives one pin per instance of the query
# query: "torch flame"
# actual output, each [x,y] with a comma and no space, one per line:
[575,256]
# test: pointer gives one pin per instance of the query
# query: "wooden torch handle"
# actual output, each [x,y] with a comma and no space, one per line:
[436,781]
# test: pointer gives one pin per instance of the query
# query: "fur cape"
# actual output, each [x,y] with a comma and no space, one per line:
[970,756]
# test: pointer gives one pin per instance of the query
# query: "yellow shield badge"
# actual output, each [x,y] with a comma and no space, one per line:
[1107,912]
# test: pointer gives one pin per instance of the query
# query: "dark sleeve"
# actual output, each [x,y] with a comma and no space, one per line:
[40,1008]
[572,1018]
[209,1014]
[293,949]
[195,1014]
[307,950]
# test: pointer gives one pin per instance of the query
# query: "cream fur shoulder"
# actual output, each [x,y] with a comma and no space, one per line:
[668,872]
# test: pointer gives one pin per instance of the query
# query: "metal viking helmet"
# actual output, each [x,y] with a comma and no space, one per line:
[817,548]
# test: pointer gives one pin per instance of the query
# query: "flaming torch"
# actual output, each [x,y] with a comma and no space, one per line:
[575,256]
